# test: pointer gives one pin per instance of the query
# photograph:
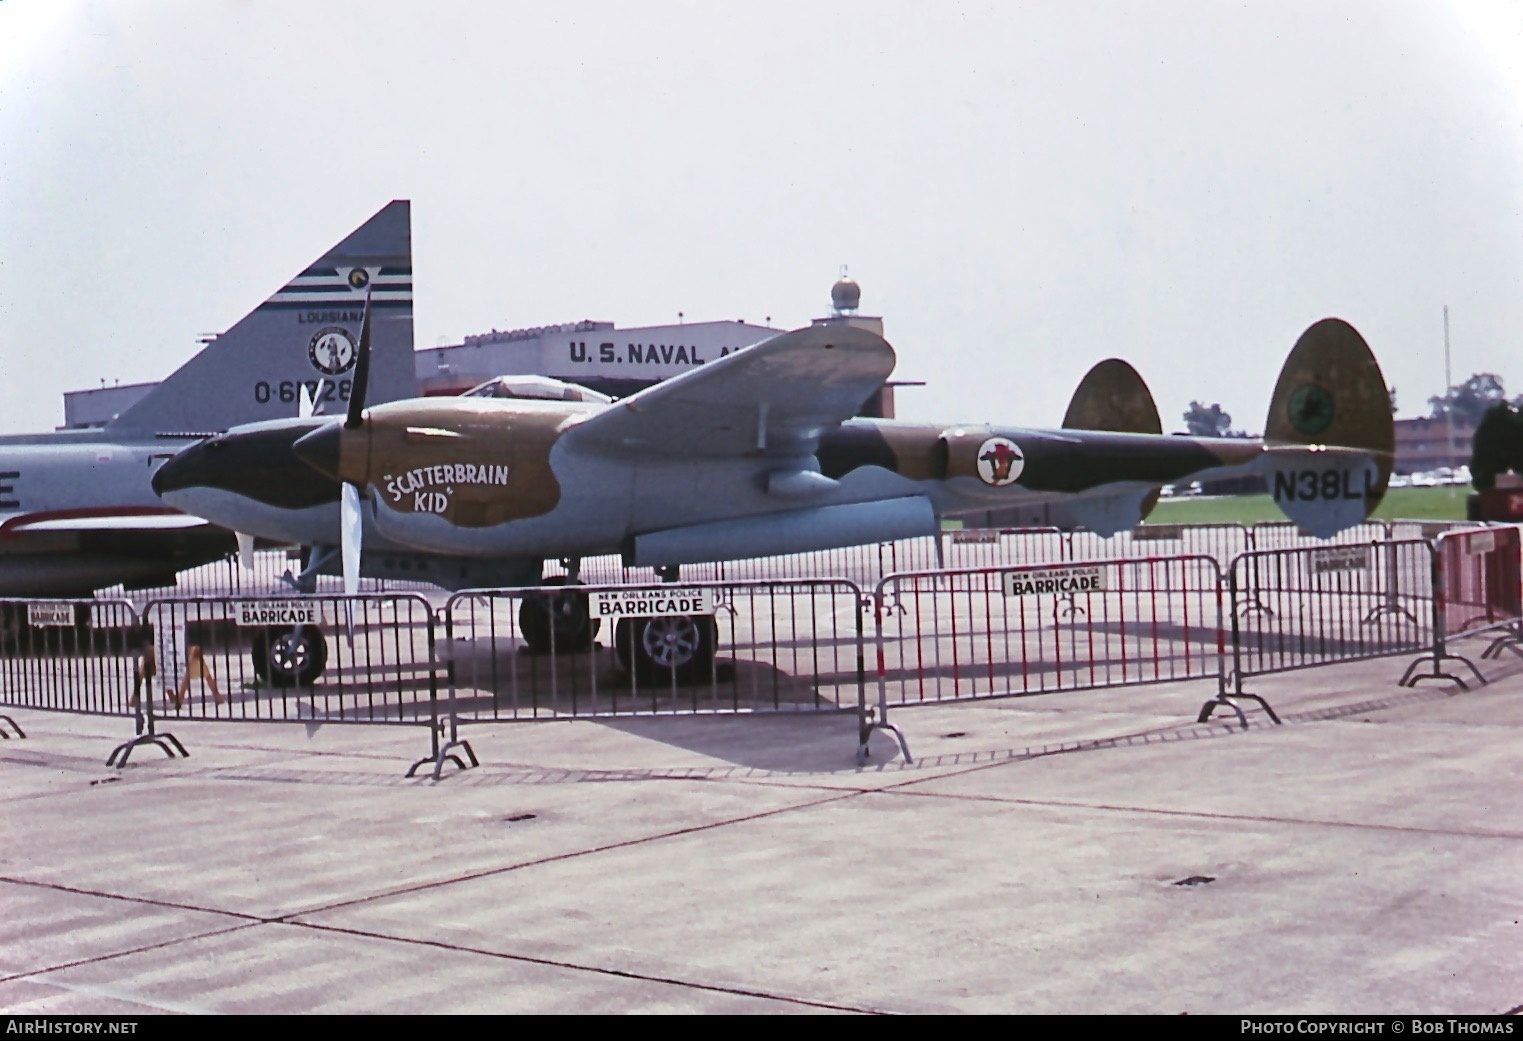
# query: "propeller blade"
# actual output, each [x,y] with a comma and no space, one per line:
[245,550]
[361,370]
[303,403]
[349,521]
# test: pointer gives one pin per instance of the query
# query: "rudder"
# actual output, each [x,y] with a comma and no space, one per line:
[1113,397]
[1329,432]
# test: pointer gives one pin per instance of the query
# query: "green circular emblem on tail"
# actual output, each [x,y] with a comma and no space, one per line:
[1311,409]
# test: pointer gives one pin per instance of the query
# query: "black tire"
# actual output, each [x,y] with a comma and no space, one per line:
[286,657]
[668,649]
[557,622]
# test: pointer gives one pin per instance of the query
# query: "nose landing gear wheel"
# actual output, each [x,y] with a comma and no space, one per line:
[668,649]
[286,657]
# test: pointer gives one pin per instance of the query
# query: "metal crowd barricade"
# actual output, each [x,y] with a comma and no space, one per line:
[1219,541]
[973,548]
[1255,592]
[779,640]
[1323,605]
[266,576]
[80,656]
[1482,591]
[863,564]
[1476,582]
[1432,530]
[1008,632]
[69,655]
[767,646]
[313,659]
[1268,535]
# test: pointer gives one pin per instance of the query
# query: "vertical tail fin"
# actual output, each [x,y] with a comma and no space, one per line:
[305,334]
[1113,396]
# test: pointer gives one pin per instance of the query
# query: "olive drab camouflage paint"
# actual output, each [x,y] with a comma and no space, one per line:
[1112,396]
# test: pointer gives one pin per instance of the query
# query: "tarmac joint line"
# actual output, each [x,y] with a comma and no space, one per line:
[599,969]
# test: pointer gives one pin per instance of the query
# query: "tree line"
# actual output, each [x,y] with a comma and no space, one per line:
[1467,402]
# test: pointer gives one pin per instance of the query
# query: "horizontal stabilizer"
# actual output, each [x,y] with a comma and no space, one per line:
[1107,515]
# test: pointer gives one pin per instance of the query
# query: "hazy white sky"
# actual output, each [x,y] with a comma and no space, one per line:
[1022,189]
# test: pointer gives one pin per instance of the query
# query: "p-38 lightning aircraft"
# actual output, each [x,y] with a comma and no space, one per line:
[77,509]
[757,453]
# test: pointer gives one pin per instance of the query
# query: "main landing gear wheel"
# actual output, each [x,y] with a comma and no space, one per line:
[557,622]
[667,649]
[290,657]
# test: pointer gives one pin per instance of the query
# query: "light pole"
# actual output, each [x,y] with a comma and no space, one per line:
[1448,402]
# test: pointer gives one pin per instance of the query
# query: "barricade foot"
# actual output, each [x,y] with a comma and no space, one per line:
[1385,609]
[1412,678]
[1509,642]
[865,736]
[446,755]
[1073,609]
[1230,701]
[1247,607]
[14,726]
[163,741]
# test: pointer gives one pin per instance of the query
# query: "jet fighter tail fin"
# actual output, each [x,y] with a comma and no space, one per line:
[1113,396]
[1329,434]
[306,334]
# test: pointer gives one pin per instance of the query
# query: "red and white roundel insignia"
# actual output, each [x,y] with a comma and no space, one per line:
[1000,461]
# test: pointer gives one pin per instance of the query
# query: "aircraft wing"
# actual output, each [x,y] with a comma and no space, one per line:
[100,520]
[773,398]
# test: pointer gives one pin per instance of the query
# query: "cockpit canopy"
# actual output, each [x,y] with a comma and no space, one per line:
[541,388]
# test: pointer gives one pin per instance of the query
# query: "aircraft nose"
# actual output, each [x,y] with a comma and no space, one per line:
[179,472]
[257,462]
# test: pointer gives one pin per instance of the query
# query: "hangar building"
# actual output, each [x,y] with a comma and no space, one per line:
[597,355]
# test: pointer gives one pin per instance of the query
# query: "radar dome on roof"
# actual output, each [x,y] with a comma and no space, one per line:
[845,295]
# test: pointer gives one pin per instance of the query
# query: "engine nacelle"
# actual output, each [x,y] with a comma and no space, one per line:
[985,459]
[796,531]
